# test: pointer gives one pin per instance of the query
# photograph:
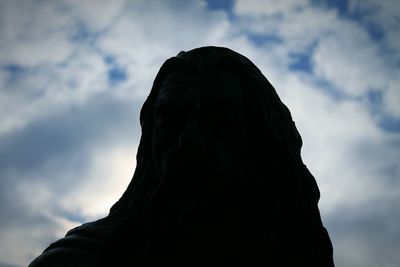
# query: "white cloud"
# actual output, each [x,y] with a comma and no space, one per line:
[51,89]
[58,194]
[40,36]
[341,50]
[297,23]
[110,170]
[332,132]
[356,167]
[96,15]
[260,8]
[354,63]
[383,15]
[19,247]
[26,226]
[351,61]
[151,31]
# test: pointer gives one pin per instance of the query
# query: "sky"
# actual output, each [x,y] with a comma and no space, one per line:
[74,74]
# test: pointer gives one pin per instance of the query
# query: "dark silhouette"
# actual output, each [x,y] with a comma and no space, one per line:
[219,178]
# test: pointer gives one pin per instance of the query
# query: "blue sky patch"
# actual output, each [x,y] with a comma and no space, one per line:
[261,39]
[375,97]
[116,75]
[220,4]
[384,120]
[109,60]
[331,90]
[390,124]
[301,62]
[15,71]
[80,33]
[340,5]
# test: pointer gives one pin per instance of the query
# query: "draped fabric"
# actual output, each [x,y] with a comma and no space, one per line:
[266,211]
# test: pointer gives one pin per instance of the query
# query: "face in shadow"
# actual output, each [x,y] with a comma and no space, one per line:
[199,125]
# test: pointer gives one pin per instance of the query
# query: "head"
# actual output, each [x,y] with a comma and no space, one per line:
[206,108]
[199,123]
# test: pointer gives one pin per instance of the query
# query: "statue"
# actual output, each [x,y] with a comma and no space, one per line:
[219,178]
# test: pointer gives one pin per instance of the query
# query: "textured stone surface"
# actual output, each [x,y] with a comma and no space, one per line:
[219,178]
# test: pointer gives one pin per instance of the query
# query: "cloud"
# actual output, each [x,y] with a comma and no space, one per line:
[343,53]
[29,41]
[25,231]
[381,17]
[73,75]
[374,235]
[94,15]
[63,170]
[110,171]
[165,33]
[51,88]
[265,8]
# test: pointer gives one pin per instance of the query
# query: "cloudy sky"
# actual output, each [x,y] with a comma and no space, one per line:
[74,74]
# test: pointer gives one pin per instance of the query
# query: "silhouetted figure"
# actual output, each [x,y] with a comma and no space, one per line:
[219,178]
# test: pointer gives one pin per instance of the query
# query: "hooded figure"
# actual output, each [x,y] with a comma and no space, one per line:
[219,178]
